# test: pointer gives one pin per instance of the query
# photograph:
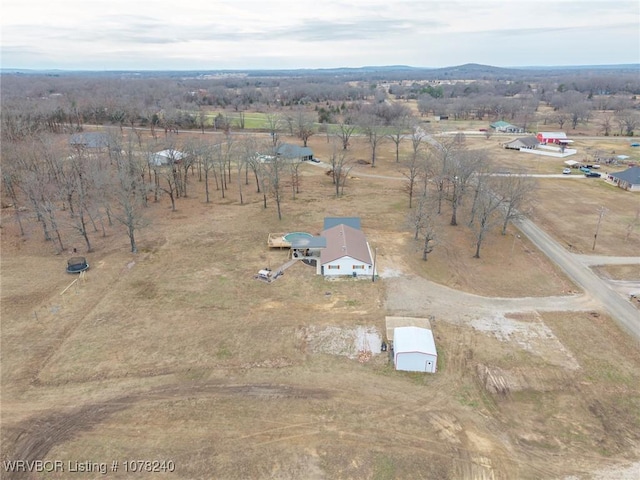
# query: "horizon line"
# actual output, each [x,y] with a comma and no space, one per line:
[251,69]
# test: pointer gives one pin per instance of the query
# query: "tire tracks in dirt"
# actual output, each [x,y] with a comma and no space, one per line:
[33,438]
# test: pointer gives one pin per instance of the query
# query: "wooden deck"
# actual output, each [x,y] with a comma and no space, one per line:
[276,240]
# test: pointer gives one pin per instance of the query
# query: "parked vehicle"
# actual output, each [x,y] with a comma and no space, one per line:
[566,171]
[584,169]
[592,174]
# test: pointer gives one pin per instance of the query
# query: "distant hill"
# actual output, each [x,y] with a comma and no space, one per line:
[469,71]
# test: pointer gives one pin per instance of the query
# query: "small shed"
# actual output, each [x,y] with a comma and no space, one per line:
[414,350]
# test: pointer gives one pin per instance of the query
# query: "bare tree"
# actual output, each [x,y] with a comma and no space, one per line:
[561,119]
[415,167]
[247,158]
[274,125]
[443,154]
[344,132]
[272,172]
[208,165]
[487,207]
[80,202]
[460,172]
[10,180]
[129,191]
[340,168]
[516,192]
[304,125]
[371,126]
[628,121]
[422,219]
[397,131]
[606,124]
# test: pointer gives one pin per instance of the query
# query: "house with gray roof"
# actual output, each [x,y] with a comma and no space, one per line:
[89,140]
[628,179]
[294,153]
[506,127]
[527,143]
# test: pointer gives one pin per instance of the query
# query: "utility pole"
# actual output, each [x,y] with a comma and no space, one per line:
[373,274]
[595,236]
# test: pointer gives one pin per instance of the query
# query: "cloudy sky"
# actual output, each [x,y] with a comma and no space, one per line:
[256,34]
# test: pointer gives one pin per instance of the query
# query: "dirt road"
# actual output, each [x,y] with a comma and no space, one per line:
[618,307]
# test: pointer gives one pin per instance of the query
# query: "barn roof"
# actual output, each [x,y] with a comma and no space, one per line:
[630,175]
[413,339]
[353,222]
[345,241]
[553,134]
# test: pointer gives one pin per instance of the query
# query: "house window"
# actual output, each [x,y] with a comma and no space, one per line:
[333,267]
[358,267]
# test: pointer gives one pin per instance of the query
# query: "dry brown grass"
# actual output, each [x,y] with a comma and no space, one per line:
[177,353]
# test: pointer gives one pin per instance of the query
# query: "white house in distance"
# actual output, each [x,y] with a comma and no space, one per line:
[505,127]
[165,157]
[292,153]
[414,350]
[347,251]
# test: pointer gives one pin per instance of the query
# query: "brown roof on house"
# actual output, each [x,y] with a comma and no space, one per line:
[343,240]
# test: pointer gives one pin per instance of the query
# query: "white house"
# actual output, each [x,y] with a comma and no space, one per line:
[166,157]
[346,253]
[523,143]
[628,179]
[505,127]
[414,350]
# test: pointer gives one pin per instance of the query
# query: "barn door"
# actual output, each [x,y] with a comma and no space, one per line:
[429,367]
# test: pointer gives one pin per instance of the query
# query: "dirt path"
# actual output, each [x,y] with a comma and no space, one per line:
[598,260]
[411,295]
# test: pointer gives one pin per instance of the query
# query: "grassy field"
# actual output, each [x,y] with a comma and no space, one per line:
[178,354]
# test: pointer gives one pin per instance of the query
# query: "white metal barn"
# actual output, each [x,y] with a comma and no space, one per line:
[414,350]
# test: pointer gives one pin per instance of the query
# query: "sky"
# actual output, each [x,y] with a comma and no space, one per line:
[278,34]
